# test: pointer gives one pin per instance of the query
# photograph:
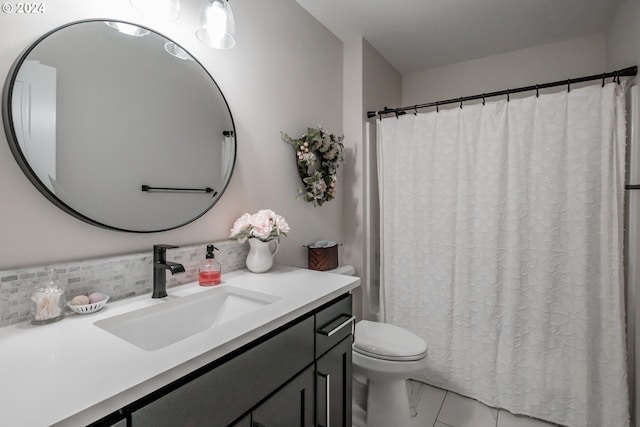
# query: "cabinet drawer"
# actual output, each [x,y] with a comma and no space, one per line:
[222,395]
[333,323]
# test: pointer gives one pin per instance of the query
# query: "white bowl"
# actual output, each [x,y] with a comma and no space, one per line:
[88,308]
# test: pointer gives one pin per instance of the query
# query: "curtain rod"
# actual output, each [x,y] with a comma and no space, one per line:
[625,72]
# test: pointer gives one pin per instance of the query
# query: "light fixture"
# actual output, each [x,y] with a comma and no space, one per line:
[216,27]
[128,29]
[175,50]
[167,10]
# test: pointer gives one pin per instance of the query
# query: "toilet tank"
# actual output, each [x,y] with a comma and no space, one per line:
[345,270]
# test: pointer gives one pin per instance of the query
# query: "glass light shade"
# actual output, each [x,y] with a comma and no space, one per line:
[216,27]
[128,29]
[175,50]
[166,10]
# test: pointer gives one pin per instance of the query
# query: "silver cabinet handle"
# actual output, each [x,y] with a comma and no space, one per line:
[327,396]
[349,321]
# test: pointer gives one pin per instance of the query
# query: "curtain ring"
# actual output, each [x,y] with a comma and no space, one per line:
[618,76]
[604,75]
[569,85]
[508,95]
[397,114]
[483,100]
[537,92]
[415,110]
[437,109]
[460,102]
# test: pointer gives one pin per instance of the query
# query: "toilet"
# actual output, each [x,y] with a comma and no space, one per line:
[385,356]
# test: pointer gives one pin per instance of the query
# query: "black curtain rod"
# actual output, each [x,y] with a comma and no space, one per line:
[625,72]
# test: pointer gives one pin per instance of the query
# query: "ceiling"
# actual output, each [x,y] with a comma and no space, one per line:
[415,35]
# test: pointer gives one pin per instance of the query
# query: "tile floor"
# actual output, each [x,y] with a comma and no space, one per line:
[435,407]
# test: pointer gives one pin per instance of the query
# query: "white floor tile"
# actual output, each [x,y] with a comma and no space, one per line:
[425,402]
[507,419]
[434,407]
[460,411]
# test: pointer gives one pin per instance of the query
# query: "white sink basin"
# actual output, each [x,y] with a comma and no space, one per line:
[172,320]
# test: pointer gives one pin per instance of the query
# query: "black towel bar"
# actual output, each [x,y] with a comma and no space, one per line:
[148,188]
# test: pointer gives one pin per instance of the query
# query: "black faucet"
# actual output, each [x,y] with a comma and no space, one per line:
[160,264]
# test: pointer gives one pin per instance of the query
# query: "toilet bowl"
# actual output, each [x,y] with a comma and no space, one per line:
[384,357]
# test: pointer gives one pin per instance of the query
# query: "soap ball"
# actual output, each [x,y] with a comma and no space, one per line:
[80,300]
[96,297]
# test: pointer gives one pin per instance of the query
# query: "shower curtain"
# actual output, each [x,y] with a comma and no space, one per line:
[501,247]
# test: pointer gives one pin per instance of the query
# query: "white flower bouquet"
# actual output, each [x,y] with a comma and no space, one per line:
[264,225]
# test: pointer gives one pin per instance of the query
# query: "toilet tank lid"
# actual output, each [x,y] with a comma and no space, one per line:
[346,270]
[387,341]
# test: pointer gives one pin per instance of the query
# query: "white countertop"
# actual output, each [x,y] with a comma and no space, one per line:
[72,373]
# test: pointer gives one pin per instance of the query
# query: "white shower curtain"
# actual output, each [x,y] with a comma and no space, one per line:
[502,247]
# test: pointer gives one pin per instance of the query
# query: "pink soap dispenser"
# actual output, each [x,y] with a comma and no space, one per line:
[210,273]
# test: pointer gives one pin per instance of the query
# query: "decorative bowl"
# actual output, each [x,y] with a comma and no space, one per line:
[88,308]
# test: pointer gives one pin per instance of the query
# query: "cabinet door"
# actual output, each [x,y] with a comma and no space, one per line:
[333,391]
[291,406]
[117,419]
[219,397]
[245,422]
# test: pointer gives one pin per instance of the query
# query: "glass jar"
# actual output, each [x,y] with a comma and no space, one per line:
[47,301]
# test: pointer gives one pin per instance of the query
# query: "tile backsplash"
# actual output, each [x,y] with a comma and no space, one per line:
[119,277]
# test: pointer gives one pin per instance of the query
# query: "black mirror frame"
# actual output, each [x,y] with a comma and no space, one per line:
[8,122]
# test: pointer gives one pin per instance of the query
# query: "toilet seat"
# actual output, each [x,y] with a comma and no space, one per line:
[388,342]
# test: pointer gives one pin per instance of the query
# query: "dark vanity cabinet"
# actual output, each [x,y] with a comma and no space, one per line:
[219,396]
[290,406]
[334,336]
[298,375]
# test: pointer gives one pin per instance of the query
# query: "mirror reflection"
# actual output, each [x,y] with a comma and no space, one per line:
[96,110]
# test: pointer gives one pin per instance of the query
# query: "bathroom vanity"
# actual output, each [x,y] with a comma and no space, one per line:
[270,349]
[288,362]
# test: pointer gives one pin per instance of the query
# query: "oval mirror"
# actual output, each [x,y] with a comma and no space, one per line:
[119,126]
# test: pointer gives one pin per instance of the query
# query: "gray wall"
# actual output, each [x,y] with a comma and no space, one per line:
[541,64]
[382,87]
[623,37]
[369,79]
[284,74]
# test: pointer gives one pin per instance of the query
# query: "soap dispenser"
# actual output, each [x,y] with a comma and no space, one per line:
[210,271]
[47,301]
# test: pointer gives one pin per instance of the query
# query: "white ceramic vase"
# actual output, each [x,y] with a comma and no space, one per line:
[260,258]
